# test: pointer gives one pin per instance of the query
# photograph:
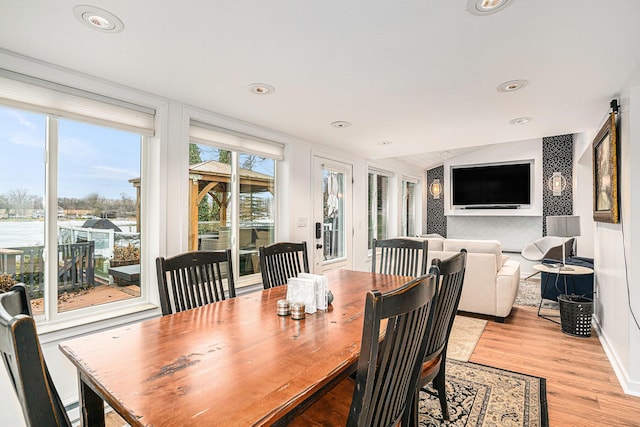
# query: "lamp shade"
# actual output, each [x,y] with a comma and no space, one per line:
[435,188]
[563,225]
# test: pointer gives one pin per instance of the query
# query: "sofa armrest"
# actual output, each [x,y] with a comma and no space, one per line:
[478,288]
[507,283]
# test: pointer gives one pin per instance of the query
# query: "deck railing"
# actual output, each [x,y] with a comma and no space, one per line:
[76,267]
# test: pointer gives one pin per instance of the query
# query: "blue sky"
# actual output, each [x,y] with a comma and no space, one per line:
[92,159]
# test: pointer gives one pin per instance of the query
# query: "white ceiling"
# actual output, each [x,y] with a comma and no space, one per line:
[420,73]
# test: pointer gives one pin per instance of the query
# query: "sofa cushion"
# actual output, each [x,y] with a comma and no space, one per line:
[476,246]
[435,241]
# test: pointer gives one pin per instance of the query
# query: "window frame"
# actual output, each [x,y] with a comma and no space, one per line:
[255,278]
[404,211]
[117,312]
[372,202]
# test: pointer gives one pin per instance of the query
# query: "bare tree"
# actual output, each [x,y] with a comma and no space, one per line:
[19,200]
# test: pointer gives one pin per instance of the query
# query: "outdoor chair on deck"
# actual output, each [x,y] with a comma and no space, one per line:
[450,276]
[280,261]
[20,349]
[405,257]
[194,279]
[387,372]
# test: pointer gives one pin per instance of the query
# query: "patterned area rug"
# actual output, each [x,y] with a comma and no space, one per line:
[464,336]
[529,294]
[480,395]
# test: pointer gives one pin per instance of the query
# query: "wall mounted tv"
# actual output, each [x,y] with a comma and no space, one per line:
[504,185]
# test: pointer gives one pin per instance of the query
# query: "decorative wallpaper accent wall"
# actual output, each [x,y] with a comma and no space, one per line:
[557,156]
[436,221]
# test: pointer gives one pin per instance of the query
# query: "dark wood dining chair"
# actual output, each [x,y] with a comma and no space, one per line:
[20,349]
[401,256]
[194,279]
[450,277]
[388,372]
[280,261]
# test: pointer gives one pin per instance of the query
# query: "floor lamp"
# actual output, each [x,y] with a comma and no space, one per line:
[564,226]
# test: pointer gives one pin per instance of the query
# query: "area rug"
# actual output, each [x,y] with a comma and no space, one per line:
[479,395]
[529,294]
[465,333]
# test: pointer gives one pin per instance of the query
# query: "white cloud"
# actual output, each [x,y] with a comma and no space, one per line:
[22,119]
[28,140]
[109,172]
[76,148]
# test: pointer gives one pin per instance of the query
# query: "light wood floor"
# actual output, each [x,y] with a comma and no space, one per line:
[582,389]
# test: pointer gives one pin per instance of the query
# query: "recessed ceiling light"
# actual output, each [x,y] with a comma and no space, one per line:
[340,124]
[487,7]
[261,88]
[98,19]
[520,121]
[512,86]
[385,142]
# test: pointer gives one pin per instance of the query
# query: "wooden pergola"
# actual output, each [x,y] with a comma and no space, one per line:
[213,178]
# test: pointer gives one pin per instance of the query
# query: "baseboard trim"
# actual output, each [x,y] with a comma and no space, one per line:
[629,387]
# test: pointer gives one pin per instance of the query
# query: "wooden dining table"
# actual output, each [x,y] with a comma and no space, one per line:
[230,363]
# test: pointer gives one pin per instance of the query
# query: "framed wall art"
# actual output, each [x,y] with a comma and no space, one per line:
[605,173]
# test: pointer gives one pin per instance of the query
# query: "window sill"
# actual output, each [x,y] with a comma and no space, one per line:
[70,328]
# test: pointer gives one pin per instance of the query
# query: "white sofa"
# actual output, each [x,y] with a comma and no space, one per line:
[491,280]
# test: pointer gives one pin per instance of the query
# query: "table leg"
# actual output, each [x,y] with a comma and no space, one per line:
[544,291]
[91,406]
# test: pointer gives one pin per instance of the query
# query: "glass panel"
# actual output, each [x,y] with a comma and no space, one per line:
[98,215]
[257,209]
[333,214]
[382,206]
[209,173]
[372,191]
[408,208]
[22,148]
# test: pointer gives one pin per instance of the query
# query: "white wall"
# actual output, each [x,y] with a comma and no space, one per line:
[616,253]
[583,191]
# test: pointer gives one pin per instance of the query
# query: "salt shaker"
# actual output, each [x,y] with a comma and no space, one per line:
[283,307]
[297,311]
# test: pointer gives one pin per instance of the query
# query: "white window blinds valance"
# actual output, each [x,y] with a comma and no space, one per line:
[236,141]
[33,94]
[380,172]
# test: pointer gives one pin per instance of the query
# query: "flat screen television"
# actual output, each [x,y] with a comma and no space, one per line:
[505,185]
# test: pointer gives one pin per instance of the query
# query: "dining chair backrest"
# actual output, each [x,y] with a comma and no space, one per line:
[450,278]
[387,373]
[194,279]
[450,273]
[20,349]
[280,261]
[401,256]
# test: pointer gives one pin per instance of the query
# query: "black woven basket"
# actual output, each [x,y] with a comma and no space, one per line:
[575,315]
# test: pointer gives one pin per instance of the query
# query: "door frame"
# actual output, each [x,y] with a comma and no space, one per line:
[319,266]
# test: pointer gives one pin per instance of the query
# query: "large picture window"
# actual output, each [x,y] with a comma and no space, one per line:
[230,213]
[78,209]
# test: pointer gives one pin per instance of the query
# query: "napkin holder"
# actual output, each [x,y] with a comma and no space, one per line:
[301,290]
[321,288]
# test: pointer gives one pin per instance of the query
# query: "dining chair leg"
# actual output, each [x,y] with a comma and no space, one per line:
[439,385]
